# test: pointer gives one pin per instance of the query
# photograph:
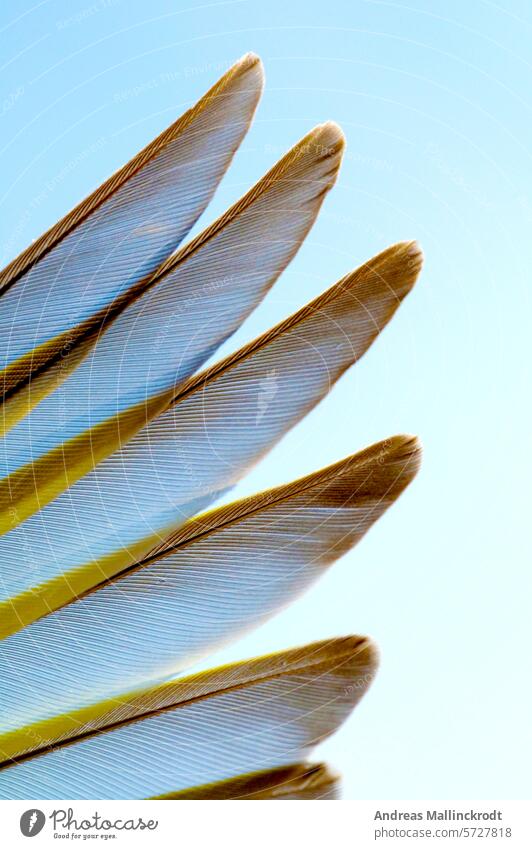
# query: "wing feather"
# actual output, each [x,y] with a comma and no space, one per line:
[220,575]
[219,425]
[81,272]
[197,299]
[249,717]
[302,781]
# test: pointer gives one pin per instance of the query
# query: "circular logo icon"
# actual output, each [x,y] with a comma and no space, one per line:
[32,822]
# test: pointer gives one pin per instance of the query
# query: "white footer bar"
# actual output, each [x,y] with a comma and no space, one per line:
[254,825]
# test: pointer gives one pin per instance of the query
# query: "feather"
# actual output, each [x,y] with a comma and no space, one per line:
[76,276]
[220,575]
[302,781]
[258,715]
[215,430]
[197,299]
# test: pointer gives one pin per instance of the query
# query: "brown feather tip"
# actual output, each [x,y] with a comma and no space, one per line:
[330,137]
[248,62]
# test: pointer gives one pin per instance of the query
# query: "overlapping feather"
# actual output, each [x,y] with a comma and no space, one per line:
[302,781]
[211,434]
[252,716]
[220,575]
[194,302]
[79,274]
[113,442]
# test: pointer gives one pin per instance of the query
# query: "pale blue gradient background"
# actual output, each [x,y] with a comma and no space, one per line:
[434,98]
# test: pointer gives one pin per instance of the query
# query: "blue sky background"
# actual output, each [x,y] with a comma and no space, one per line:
[435,102]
